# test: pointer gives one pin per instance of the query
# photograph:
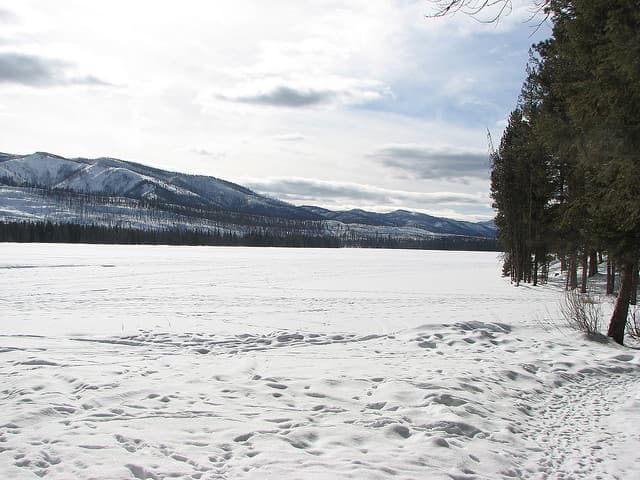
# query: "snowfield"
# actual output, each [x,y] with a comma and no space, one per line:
[139,362]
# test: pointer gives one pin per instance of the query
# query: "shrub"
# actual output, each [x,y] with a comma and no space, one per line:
[633,323]
[581,312]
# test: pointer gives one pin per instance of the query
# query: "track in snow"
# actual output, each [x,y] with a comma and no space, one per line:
[206,363]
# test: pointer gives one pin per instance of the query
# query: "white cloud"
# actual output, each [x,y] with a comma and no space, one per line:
[289,137]
[7,16]
[204,152]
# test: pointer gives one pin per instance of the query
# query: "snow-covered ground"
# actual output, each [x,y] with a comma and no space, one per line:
[237,363]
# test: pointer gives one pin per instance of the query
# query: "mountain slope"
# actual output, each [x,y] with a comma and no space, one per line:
[404,218]
[109,176]
[195,196]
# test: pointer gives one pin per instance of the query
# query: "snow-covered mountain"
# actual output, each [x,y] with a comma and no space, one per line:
[404,218]
[27,180]
[109,176]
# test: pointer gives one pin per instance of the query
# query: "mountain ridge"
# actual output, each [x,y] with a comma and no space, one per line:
[117,178]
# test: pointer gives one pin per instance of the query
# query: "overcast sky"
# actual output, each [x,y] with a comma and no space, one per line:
[341,104]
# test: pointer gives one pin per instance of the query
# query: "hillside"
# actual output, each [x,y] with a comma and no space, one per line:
[111,192]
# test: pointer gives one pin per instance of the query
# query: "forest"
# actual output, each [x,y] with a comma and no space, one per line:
[51,232]
[565,178]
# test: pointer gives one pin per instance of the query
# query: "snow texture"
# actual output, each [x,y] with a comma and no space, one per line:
[238,363]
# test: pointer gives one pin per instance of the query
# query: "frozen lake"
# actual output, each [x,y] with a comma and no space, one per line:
[103,289]
[141,362]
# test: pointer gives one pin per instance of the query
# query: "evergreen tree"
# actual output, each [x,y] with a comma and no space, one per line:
[575,137]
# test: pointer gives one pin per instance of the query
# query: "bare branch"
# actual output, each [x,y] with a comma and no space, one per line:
[494,9]
[581,312]
[540,13]
[471,8]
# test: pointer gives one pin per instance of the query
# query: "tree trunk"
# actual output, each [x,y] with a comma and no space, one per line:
[619,317]
[611,277]
[585,273]
[633,299]
[593,263]
[572,274]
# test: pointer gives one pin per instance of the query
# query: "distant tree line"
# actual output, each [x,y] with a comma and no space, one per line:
[50,232]
[103,218]
[565,178]
[86,206]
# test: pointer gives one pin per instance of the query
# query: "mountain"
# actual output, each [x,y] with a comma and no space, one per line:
[404,218]
[109,176]
[108,191]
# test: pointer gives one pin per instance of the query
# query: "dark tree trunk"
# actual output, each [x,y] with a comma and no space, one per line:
[585,273]
[611,277]
[633,298]
[593,263]
[572,274]
[545,272]
[619,317]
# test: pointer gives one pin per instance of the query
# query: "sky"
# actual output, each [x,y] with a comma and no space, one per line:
[365,104]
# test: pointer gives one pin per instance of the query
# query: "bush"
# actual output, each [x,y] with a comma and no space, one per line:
[633,323]
[581,312]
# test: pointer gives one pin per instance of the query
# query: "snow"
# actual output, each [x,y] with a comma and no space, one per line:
[99,178]
[40,169]
[214,363]
[18,204]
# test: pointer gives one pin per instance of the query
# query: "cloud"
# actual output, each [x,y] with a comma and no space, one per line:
[208,153]
[289,137]
[7,16]
[35,71]
[277,92]
[303,190]
[420,161]
[283,96]
[347,196]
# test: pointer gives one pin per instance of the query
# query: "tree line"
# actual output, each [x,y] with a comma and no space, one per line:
[87,207]
[50,232]
[565,179]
